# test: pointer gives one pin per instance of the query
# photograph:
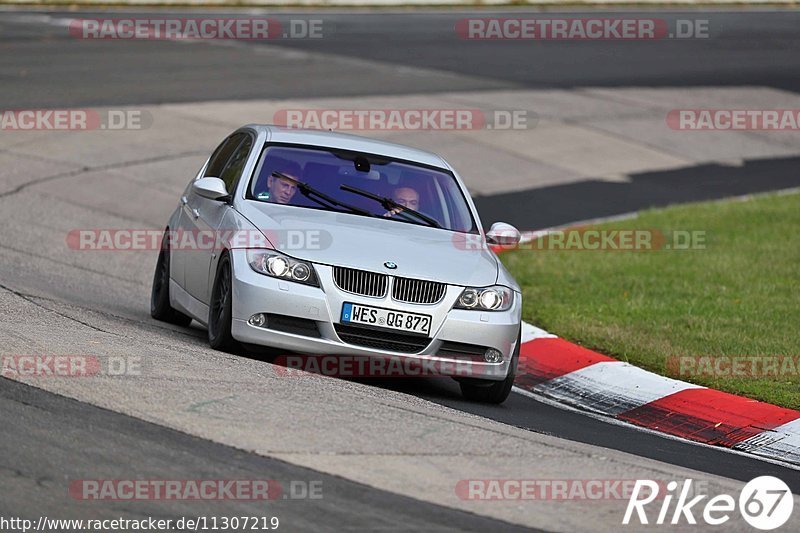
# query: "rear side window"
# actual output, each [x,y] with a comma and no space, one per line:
[222,154]
[233,170]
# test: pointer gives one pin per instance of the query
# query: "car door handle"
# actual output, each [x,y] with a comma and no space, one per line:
[195,213]
[184,200]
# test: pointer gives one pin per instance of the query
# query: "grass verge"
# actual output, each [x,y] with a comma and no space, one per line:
[724,313]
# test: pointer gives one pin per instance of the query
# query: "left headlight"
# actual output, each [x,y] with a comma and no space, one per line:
[496,298]
[277,265]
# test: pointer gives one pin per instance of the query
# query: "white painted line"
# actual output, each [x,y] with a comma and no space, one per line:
[611,387]
[613,421]
[783,443]
[531,333]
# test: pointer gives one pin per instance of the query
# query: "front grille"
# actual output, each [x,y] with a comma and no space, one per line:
[417,291]
[291,324]
[459,350]
[381,340]
[360,281]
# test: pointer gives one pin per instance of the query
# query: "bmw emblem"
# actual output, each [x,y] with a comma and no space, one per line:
[390,265]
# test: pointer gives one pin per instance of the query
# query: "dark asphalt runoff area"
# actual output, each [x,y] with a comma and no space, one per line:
[47,439]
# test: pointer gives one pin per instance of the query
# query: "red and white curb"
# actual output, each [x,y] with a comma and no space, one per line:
[573,375]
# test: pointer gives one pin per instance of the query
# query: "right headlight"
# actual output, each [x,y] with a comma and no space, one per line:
[496,298]
[277,265]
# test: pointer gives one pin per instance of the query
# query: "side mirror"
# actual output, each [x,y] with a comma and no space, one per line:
[211,188]
[503,234]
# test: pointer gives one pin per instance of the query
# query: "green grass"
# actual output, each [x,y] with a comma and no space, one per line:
[739,296]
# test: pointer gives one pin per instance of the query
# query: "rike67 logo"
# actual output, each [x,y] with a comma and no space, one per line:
[765,503]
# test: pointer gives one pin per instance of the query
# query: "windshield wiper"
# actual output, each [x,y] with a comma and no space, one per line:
[390,204]
[309,192]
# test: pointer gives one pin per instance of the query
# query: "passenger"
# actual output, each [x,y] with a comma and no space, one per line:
[405,196]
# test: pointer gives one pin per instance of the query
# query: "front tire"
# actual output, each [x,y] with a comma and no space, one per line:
[160,309]
[496,392]
[220,311]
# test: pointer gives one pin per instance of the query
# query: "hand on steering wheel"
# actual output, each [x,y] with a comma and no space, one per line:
[393,212]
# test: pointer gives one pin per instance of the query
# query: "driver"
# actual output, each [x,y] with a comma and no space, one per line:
[280,191]
[405,196]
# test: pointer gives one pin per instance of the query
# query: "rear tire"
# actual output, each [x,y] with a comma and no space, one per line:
[220,310]
[496,392]
[160,309]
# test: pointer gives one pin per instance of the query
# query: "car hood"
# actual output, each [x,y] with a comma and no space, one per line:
[367,243]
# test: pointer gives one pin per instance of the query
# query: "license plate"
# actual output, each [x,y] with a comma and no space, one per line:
[386,318]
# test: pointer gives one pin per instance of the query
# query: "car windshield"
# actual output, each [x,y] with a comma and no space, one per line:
[361,184]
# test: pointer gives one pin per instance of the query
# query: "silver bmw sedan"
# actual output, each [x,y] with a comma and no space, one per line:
[323,243]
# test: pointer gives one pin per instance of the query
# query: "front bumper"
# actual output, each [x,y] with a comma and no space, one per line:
[256,293]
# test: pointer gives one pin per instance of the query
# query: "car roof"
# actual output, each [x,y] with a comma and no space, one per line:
[345,141]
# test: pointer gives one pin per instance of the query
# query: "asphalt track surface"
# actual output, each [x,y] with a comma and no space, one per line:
[45,441]
[42,68]
[43,65]
[60,70]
